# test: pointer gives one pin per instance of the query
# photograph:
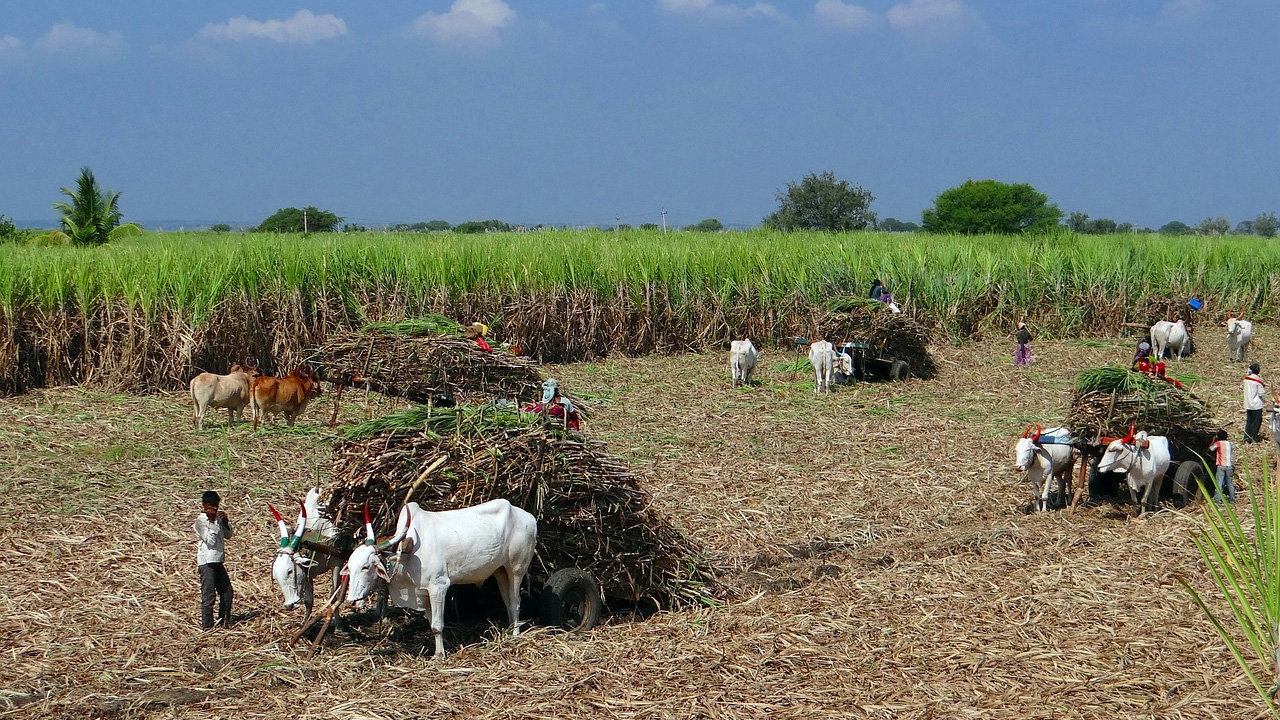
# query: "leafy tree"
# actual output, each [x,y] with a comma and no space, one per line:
[1214,226]
[990,206]
[92,215]
[350,228]
[1175,227]
[220,228]
[8,231]
[1078,222]
[481,226]
[293,220]
[1266,225]
[648,226]
[437,226]
[1244,227]
[1126,227]
[708,225]
[821,202]
[1102,226]
[896,225]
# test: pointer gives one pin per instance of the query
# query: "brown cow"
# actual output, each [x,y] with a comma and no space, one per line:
[230,391]
[286,396]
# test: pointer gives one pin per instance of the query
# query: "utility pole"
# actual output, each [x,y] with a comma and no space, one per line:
[664,221]
[617,223]
[304,221]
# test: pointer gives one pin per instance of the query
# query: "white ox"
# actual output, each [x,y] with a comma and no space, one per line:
[1239,335]
[440,549]
[230,391]
[1273,423]
[821,356]
[1171,336]
[743,357]
[1043,462]
[294,569]
[1145,459]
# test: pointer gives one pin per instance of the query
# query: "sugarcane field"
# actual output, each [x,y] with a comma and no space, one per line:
[718,533]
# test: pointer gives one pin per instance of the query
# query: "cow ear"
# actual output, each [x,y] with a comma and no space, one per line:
[382,572]
[346,573]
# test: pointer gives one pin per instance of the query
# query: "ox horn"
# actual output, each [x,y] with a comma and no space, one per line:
[284,528]
[1025,433]
[368,526]
[401,531]
[1036,436]
[302,526]
[1128,439]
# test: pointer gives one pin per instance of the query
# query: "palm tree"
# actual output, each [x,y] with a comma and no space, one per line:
[92,217]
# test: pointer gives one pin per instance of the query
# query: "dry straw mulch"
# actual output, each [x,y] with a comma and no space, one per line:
[591,512]
[879,563]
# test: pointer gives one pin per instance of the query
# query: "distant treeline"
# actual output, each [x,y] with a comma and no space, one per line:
[151,310]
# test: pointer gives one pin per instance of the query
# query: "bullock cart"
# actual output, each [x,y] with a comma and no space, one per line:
[1109,402]
[599,542]
[882,344]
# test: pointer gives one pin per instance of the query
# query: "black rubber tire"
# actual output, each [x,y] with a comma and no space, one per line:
[1186,482]
[570,600]
[900,370]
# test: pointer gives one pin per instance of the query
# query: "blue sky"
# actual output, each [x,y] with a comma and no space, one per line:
[579,112]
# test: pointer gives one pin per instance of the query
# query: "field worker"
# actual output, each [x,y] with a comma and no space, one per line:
[1253,389]
[213,528]
[877,290]
[1144,349]
[477,331]
[1022,352]
[1221,448]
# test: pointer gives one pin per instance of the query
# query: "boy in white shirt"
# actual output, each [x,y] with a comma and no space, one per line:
[213,528]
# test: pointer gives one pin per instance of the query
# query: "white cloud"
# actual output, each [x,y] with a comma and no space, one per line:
[304,27]
[69,39]
[932,20]
[10,49]
[468,22]
[1184,11]
[838,15]
[717,11]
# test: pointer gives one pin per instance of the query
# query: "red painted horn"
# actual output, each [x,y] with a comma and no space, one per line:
[281,524]
[1128,439]
[1036,437]
[1025,433]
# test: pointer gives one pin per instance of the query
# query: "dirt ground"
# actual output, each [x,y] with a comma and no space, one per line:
[877,558]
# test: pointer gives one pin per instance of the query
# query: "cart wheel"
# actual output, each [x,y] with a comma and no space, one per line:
[1186,482]
[570,600]
[899,371]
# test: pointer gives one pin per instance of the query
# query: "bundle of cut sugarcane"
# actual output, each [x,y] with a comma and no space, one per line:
[1110,400]
[590,512]
[395,360]
[890,335]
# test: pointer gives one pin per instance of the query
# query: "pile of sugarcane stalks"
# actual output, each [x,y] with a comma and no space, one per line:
[1108,401]
[421,369]
[591,513]
[890,335]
